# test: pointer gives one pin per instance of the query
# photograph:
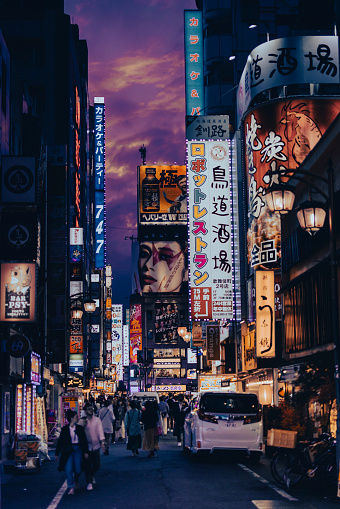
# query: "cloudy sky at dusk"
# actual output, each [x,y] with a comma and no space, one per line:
[136,62]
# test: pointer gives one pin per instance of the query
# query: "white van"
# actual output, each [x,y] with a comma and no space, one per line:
[229,421]
[141,397]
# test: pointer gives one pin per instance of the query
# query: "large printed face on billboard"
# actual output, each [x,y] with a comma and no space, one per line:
[160,266]
[162,195]
[278,137]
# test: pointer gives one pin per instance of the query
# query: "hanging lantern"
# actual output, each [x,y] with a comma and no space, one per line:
[90,305]
[311,216]
[280,198]
[76,312]
[181,331]
[265,394]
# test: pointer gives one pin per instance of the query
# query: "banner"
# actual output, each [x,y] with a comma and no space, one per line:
[213,343]
[194,78]
[135,331]
[265,313]
[18,180]
[210,220]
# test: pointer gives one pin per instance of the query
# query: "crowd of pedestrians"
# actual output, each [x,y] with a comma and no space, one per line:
[115,419]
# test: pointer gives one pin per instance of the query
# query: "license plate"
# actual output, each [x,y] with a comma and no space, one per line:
[230,424]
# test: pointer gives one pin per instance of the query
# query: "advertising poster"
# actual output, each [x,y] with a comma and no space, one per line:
[210,230]
[162,195]
[166,322]
[265,313]
[17,300]
[135,331]
[126,345]
[117,338]
[160,267]
[278,137]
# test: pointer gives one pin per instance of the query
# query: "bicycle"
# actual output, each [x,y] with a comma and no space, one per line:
[313,460]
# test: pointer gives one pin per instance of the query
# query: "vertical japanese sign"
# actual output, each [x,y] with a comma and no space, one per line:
[99,183]
[213,343]
[17,301]
[278,137]
[117,338]
[126,346]
[265,313]
[194,79]
[166,322]
[248,352]
[209,223]
[135,331]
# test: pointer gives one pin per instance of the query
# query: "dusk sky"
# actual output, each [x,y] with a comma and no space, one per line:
[136,62]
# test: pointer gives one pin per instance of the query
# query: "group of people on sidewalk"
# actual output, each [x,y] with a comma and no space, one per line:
[79,444]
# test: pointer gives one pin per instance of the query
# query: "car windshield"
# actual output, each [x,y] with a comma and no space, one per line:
[230,403]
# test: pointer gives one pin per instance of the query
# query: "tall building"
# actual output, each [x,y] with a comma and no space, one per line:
[270,66]
[49,71]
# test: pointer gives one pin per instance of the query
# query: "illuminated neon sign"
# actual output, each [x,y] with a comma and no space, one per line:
[99,182]
[194,79]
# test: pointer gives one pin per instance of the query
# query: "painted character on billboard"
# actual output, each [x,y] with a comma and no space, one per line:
[162,267]
[300,129]
[179,204]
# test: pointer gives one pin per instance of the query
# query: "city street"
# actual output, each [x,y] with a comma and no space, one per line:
[170,481]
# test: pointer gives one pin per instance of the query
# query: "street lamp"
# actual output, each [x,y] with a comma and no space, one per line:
[311,216]
[255,25]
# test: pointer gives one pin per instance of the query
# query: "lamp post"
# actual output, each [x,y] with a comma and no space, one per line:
[311,216]
[77,303]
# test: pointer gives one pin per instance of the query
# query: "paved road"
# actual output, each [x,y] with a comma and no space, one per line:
[169,481]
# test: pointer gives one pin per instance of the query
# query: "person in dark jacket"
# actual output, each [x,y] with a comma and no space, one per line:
[150,418]
[179,410]
[72,447]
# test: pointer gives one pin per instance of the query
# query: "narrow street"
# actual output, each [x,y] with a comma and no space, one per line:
[172,480]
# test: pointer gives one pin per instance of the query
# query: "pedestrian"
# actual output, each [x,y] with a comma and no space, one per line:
[108,420]
[149,418]
[120,435]
[171,402]
[179,408]
[72,447]
[96,438]
[133,428]
[164,412]
[116,414]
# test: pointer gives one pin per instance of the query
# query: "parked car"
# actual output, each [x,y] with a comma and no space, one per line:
[227,421]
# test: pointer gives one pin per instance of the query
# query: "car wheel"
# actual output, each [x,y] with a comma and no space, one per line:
[255,457]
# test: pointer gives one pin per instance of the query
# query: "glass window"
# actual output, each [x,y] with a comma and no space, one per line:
[230,404]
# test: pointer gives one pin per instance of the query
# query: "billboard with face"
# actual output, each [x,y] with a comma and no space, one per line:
[278,137]
[159,266]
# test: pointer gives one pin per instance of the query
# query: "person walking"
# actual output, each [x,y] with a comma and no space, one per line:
[171,402]
[96,438]
[150,418]
[133,428]
[179,417]
[108,420]
[72,447]
[164,412]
